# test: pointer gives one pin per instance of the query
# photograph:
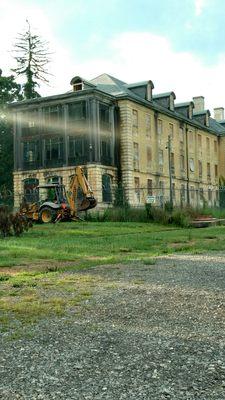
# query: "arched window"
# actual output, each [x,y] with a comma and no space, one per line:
[29,186]
[106,188]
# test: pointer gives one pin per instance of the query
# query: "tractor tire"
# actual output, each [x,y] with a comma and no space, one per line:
[47,215]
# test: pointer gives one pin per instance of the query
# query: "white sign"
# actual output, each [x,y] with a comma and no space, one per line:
[150,199]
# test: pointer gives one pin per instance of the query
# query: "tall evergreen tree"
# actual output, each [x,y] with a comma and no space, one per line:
[9,91]
[32,56]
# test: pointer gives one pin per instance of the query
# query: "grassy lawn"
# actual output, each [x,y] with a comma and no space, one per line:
[35,269]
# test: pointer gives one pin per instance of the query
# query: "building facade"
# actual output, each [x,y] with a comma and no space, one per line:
[120,133]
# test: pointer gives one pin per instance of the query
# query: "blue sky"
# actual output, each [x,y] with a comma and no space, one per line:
[201,32]
[177,44]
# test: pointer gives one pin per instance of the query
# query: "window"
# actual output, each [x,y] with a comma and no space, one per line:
[134,122]
[149,187]
[30,154]
[210,194]
[52,119]
[106,188]
[30,123]
[106,151]
[161,158]
[216,171]
[104,117]
[161,188]
[192,164]
[149,157]
[208,170]
[29,186]
[173,191]
[148,125]
[171,130]
[172,163]
[78,150]
[77,111]
[200,145]
[137,189]
[199,169]
[182,167]
[192,192]
[54,179]
[207,146]
[215,146]
[191,138]
[182,193]
[77,86]
[181,134]
[136,156]
[159,127]
[201,194]
[54,151]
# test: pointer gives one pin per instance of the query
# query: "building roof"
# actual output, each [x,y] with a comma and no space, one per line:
[118,89]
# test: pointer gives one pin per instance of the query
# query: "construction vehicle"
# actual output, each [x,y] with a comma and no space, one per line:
[55,203]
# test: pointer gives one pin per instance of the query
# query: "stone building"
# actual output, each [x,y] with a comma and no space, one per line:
[120,132]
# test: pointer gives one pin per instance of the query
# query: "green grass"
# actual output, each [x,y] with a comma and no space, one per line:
[33,282]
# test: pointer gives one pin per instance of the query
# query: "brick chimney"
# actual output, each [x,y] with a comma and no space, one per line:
[199,102]
[219,113]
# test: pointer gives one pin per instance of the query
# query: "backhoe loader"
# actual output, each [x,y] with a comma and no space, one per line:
[56,203]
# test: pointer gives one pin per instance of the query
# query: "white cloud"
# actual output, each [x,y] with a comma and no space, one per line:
[199,6]
[130,57]
[140,56]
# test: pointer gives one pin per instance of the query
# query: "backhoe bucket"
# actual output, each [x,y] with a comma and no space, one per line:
[87,204]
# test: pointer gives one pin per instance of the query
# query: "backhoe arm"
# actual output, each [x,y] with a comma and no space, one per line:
[76,181]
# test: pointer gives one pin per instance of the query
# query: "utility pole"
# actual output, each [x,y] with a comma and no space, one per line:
[168,147]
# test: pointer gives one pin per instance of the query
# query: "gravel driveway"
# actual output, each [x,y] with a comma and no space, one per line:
[147,332]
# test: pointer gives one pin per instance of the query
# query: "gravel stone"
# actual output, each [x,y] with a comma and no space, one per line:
[149,332]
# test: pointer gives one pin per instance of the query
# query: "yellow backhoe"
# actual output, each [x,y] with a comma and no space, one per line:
[56,203]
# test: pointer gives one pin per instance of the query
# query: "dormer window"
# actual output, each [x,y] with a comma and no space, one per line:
[78,86]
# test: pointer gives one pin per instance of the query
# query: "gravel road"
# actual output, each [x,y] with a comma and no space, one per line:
[147,332]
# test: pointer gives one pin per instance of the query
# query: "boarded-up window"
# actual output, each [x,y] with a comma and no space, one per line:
[191,138]
[207,146]
[149,187]
[173,191]
[136,155]
[149,157]
[192,192]
[181,134]
[215,146]
[199,169]
[159,127]
[208,170]
[199,141]
[192,164]
[161,158]
[216,171]
[172,164]
[134,122]
[137,188]
[148,125]
[182,162]
[210,194]
[182,193]
[171,130]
